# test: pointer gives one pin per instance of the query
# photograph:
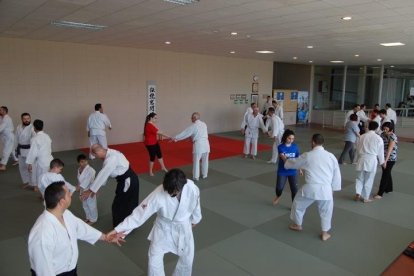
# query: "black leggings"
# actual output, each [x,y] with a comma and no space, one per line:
[386,179]
[154,150]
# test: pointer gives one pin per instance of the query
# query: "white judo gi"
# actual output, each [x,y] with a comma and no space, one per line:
[49,177]
[370,152]
[172,230]
[96,125]
[53,248]
[201,147]
[23,136]
[279,111]
[322,177]
[7,137]
[251,134]
[39,156]
[85,180]
[276,126]
[392,115]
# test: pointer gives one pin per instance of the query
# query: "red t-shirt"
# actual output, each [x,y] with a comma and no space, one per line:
[150,134]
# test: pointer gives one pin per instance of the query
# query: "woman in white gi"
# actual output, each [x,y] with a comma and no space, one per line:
[177,204]
[250,129]
[322,178]
[53,239]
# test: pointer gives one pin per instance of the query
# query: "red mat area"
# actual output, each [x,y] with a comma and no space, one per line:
[179,153]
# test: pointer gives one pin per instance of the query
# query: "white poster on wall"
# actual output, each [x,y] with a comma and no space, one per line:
[412,91]
[152,96]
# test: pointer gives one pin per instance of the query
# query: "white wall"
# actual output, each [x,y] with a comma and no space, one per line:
[61,82]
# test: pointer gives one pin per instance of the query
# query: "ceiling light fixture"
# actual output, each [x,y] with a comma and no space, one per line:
[392,66]
[379,59]
[232,52]
[265,52]
[77,25]
[295,57]
[346,18]
[182,2]
[309,47]
[167,42]
[310,61]
[356,55]
[336,61]
[233,33]
[392,44]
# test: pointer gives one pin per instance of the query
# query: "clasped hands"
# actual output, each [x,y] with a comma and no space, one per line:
[114,237]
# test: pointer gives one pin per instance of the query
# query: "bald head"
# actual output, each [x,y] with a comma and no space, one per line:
[195,116]
[98,151]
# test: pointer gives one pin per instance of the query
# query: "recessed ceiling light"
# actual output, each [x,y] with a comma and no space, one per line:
[379,59]
[295,57]
[337,61]
[232,52]
[233,33]
[310,61]
[392,66]
[265,52]
[182,2]
[167,42]
[215,31]
[391,44]
[309,47]
[77,25]
[346,18]
[248,36]
[356,55]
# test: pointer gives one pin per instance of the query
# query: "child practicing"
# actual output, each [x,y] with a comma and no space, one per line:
[290,150]
[86,175]
[53,175]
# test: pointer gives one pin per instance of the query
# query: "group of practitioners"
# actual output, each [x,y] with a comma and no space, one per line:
[52,243]
[53,239]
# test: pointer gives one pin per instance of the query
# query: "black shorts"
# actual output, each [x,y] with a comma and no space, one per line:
[154,150]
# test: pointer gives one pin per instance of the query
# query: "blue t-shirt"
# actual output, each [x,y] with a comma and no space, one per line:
[291,151]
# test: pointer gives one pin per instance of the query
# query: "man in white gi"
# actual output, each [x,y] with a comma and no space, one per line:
[201,147]
[322,178]
[96,126]
[354,110]
[278,109]
[370,152]
[249,110]
[7,136]
[40,153]
[391,114]
[53,240]
[54,175]
[24,133]
[363,119]
[127,190]
[266,105]
[177,204]
[250,129]
[276,126]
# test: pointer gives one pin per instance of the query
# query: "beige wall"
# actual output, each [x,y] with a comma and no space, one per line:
[60,83]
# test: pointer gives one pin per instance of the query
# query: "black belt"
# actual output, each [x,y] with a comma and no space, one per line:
[19,147]
[122,177]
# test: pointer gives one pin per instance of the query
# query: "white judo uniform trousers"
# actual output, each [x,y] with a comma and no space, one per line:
[85,180]
[370,152]
[97,123]
[23,136]
[322,177]
[276,126]
[251,134]
[7,138]
[201,147]
[39,156]
[172,230]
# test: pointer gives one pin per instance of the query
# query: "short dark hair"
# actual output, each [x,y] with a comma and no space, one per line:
[388,105]
[389,125]
[252,104]
[271,109]
[356,105]
[24,114]
[373,125]
[363,106]
[81,157]
[375,105]
[54,193]
[318,139]
[286,134]
[98,106]
[38,124]
[274,101]
[353,117]
[56,163]
[174,181]
[383,111]
[5,108]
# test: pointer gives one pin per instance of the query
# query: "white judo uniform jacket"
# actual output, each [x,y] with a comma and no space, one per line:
[53,248]
[173,226]
[370,151]
[97,123]
[7,137]
[40,155]
[48,178]
[253,124]
[199,135]
[275,124]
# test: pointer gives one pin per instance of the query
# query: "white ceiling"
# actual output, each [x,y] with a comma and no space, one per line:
[284,26]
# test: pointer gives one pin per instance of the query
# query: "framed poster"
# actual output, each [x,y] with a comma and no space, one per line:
[151,96]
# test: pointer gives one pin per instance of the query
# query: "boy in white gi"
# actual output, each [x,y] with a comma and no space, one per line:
[54,175]
[322,178]
[86,175]
[177,204]
[53,239]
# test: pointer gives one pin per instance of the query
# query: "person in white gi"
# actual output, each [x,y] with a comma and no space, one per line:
[391,114]
[177,204]
[277,128]
[354,110]
[24,133]
[249,110]
[322,178]
[40,153]
[370,152]
[86,176]
[278,109]
[97,123]
[266,105]
[53,239]
[201,147]
[363,119]
[127,189]
[7,136]
[54,175]
[384,117]
[250,129]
